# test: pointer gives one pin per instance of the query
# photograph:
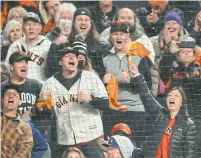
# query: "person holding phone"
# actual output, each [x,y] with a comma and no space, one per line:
[152,16]
[64,21]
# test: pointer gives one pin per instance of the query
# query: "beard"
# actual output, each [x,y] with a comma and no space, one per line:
[131,28]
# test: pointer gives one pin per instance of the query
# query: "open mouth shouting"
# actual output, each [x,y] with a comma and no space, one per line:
[10,101]
[72,65]
[171,103]
[119,44]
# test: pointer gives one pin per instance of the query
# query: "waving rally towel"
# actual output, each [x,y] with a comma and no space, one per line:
[112,89]
[45,104]
[136,49]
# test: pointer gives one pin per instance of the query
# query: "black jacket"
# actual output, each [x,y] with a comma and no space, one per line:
[183,139]
[103,20]
[154,29]
[189,78]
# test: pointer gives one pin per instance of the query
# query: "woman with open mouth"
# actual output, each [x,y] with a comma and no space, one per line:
[171,133]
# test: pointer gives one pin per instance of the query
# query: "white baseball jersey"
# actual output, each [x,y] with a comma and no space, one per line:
[38,53]
[76,122]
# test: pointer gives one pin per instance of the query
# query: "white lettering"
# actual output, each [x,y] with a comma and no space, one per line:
[33,99]
[28,98]
[23,97]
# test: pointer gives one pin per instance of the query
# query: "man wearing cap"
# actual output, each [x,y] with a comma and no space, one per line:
[30,88]
[152,17]
[120,147]
[16,135]
[52,66]
[77,95]
[34,45]
[116,65]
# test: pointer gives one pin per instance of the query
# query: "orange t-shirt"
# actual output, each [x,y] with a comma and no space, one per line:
[164,147]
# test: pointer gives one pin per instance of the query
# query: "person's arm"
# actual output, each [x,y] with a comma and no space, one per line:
[144,68]
[11,49]
[189,150]
[52,65]
[166,65]
[25,144]
[149,102]
[99,95]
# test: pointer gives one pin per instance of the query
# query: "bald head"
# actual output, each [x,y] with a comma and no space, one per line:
[126,15]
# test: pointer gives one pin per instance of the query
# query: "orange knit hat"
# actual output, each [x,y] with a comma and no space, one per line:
[160,3]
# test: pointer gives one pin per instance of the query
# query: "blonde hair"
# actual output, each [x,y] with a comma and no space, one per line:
[6,32]
[66,152]
[19,9]
[65,7]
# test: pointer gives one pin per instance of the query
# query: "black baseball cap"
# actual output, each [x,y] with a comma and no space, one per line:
[119,27]
[17,56]
[32,16]
[82,11]
[66,51]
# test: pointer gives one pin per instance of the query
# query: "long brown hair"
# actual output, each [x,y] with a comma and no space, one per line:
[183,110]
[66,152]
[92,34]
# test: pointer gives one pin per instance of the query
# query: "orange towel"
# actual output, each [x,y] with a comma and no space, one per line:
[49,26]
[28,3]
[4,13]
[198,59]
[112,89]
[137,49]
[45,104]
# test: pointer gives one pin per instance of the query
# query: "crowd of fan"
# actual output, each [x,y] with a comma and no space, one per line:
[100,80]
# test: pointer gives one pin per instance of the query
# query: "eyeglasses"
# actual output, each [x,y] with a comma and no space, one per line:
[11,94]
[16,17]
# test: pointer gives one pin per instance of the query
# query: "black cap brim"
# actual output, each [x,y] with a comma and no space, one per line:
[67,51]
[27,58]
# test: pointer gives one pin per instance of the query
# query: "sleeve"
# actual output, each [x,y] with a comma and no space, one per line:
[11,49]
[99,95]
[24,146]
[149,102]
[166,65]
[52,65]
[144,68]
[190,141]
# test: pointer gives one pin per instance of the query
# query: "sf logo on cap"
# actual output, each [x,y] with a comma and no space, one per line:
[82,12]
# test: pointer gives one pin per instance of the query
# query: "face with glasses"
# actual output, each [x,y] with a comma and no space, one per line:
[11,100]
[17,16]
